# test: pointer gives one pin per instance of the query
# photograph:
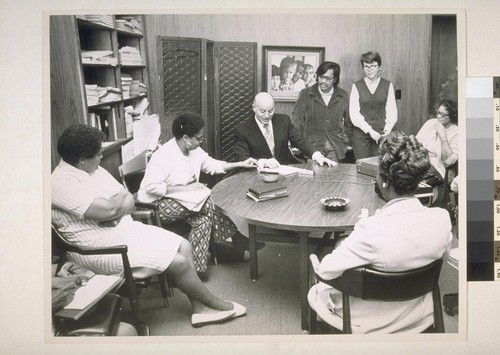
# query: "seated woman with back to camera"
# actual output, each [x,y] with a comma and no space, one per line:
[402,235]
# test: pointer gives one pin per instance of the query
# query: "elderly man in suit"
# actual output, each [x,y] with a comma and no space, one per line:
[265,137]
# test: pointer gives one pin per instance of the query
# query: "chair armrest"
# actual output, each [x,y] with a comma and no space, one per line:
[151,205]
[115,249]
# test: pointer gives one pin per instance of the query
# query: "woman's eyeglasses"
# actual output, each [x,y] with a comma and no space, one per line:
[199,138]
[442,114]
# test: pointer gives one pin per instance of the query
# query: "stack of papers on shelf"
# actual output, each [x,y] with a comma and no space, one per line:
[143,89]
[106,20]
[109,94]
[286,170]
[92,94]
[268,191]
[126,81]
[129,23]
[98,57]
[129,56]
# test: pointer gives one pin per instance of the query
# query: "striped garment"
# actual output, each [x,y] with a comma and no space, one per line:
[73,191]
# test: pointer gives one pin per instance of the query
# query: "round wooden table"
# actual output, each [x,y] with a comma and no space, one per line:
[300,211]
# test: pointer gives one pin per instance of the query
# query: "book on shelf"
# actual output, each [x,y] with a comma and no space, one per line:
[267,191]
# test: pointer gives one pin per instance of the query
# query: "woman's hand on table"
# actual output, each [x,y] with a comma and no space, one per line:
[249,163]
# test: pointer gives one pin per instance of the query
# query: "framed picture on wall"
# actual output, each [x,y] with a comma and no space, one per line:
[287,70]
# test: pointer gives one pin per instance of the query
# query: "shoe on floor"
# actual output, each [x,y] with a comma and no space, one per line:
[201,319]
[239,310]
[240,241]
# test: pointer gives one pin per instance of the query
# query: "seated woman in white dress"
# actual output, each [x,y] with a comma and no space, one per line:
[440,137]
[91,209]
[402,235]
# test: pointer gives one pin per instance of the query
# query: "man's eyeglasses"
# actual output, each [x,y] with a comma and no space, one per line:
[370,67]
[326,78]
[199,138]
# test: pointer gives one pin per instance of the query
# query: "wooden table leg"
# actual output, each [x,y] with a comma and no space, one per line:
[304,276]
[254,272]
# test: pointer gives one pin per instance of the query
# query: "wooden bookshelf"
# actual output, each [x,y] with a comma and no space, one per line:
[74,36]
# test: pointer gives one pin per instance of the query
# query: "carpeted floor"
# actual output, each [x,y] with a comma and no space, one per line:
[273,306]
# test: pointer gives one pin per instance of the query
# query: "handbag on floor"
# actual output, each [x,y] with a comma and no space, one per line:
[227,253]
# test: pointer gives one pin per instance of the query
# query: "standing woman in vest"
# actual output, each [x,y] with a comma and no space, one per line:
[372,107]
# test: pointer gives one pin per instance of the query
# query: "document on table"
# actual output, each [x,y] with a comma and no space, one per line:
[287,170]
[97,286]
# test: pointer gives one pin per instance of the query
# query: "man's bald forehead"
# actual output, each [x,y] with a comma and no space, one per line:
[263,98]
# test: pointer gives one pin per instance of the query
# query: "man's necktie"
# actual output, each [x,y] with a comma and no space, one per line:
[268,134]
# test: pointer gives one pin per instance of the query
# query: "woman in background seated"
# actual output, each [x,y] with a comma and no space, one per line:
[91,209]
[402,235]
[440,137]
[172,177]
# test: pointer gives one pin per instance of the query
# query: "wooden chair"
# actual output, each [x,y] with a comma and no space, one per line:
[133,286]
[373,285]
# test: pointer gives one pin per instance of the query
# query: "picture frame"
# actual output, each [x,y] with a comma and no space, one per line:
[280,79]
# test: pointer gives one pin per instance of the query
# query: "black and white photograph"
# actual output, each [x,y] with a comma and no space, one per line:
[288,70]
[246,211]
[204,177]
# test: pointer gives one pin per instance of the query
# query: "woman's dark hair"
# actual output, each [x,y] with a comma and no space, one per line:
[326,66]
[187,123]
[371,57]
[451,107]
[403,162]
[79,142]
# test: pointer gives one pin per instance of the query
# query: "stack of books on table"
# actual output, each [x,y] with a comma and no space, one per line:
[267,191]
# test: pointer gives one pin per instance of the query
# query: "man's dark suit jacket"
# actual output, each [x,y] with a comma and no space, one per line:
[249,142]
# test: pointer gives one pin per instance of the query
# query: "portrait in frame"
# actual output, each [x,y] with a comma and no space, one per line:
[287,70]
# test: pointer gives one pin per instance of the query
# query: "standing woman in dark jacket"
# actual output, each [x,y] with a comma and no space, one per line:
[321,110]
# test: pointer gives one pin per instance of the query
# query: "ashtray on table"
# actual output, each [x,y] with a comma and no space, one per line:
[334,203]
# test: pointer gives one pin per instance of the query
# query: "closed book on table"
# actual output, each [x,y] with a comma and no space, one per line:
[368,166]
[266,197]
[267,189]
